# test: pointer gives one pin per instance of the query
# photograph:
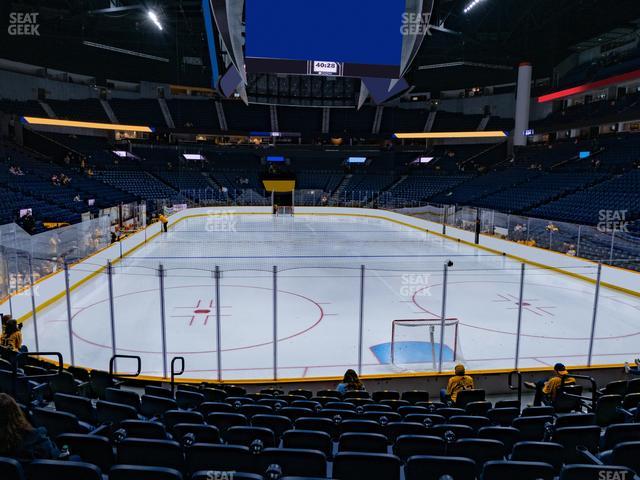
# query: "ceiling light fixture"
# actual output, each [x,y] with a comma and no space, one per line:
[154,18]
[471,5]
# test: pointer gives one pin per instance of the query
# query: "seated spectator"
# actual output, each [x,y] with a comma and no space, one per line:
[460,381]
[350,382]
[11,336]
[5,319]
[547,390]
[632,370]
[18,439]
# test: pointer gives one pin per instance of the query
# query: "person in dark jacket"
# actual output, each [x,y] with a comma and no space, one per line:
[18,438]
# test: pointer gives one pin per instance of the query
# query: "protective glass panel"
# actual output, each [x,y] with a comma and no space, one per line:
[557,315]
[318,315]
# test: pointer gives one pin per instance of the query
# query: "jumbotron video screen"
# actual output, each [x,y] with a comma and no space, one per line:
[356,38]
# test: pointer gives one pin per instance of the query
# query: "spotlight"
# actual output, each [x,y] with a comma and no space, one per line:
[154,18]
[471,6]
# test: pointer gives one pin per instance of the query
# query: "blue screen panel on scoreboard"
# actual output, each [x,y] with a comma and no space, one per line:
[361,32]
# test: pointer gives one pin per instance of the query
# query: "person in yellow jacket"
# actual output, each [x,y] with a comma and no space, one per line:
[165,222]
[548,389]
[460,381]
[12,336]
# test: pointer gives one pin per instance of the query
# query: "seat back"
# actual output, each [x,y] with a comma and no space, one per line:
[56,423]
[123,397]
[619,433]
[152,406]
[593,472]
[566,400]
[407,446]
[144,429]
[243,435]
[428,467]
[276,423]
[214,395]
[158,391]
[362,442]
[548,452]
[64,382]
[186,399]
[114,413]
[224,421]
[509,436]
[532,428]
[465,397]
[395,429]
[572,437]
[503,416]
[308,440]
[356,466]
[617,387]
[63,470]
[151,453]
[385,395]
[415,396]
[360,426]
[631,400]
[202,433]
[317,424]
[479,450]
[475,422]
[91,448]
[81,407]
[479,408]
[173,417]
[538,411]
[201,456]
[136,472]
[627,454]
[100,381]
[633,386]
[502,469]
[295,462]
[575,420]
[606,410]
[10,469]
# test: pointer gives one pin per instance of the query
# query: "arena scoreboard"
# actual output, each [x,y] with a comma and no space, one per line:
[352,38]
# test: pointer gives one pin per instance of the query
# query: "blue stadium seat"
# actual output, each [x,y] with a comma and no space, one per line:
[151,453]
[93,449]
[295,462]
[135,472]
[501,469]
[62,470]
[427,467]
[355,466]
[11,469]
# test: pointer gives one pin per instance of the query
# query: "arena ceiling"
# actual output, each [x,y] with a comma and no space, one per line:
[464,50]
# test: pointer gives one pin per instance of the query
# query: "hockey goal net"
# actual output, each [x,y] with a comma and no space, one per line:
[415,343]
[283,211]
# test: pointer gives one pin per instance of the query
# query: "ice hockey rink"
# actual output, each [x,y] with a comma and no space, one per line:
[318,276]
